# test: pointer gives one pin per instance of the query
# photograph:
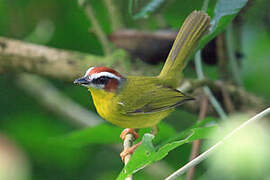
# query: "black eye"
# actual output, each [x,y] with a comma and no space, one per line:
[100,80]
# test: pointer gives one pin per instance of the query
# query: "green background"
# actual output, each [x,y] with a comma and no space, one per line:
[29,125]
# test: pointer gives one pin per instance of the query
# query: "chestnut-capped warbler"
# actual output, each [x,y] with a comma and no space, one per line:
[143,101]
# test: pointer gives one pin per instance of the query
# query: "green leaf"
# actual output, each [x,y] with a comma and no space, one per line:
[224,13]
[106,134]
[147,154]
[101,134]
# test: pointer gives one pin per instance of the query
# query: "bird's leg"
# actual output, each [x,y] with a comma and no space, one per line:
[154,130]
[129,131]
[128,149]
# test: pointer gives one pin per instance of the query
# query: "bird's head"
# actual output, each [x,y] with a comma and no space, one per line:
[101,78]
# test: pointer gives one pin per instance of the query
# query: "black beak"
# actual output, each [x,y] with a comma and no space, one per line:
[81,81]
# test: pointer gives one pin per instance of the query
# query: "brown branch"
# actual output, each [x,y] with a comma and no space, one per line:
[222,57]
[226,98]
[196,144]
[60,64]
[140,43]
[17,56]
[244,100]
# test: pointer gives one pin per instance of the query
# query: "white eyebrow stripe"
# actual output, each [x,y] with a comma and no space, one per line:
[106,74]
[88,71]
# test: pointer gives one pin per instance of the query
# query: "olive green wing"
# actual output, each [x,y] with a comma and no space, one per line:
[154,99]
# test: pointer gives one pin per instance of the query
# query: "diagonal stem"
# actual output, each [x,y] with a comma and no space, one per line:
[97,29]
[208,92]
[114,15]
[212,149]
[196,144]
[51,98]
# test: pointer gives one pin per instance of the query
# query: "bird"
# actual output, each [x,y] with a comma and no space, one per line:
[135,102]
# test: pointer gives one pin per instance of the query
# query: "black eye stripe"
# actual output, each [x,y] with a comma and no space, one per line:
[101,80]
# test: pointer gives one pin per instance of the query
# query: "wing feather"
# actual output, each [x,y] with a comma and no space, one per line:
[156,98]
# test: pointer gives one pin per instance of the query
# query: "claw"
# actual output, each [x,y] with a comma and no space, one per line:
[129,151]
[129,131]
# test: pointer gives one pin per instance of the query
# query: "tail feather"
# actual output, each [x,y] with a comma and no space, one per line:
[192,30]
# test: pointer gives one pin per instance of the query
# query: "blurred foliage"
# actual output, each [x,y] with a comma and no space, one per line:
[56,149]
[247,153]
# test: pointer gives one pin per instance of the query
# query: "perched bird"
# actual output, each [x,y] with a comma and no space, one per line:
[143,101]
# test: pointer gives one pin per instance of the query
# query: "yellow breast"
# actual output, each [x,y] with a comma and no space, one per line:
[103,102]
[106,105]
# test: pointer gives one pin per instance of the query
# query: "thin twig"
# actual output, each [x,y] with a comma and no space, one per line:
[114,15]
[196,144]
[48,96]
[106,46]
[208,92]
[231,54]
[222,57]
[226,98]
[212,149]
[205,5]
[128,142]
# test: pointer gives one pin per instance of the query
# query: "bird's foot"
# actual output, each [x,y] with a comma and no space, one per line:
[129,131]
[129,151]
